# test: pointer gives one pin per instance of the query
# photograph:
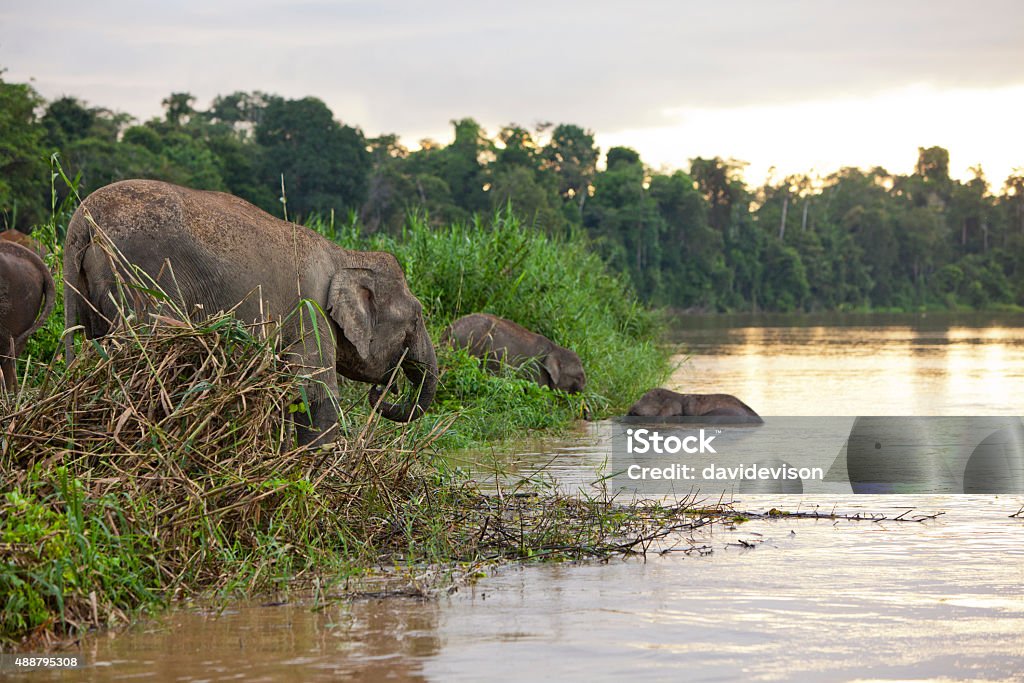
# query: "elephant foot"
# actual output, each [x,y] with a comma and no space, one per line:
[318,427]
[311,437]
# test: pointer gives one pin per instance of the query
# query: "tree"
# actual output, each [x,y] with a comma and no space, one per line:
[23,168]
[432,195]
[461,166]
[970,214]
[692,253]
[241,111]
[517,180]
[785,286]
[101,162]
[932,164]
[1013,202]
[391,192]
[178,108]
[625,220]
[517,149]
[719,181]
[324,163]
[922,234]
[67,120]
[530,198]
[571,156]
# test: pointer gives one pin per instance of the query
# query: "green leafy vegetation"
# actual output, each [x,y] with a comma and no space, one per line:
[697,238]
[555,286]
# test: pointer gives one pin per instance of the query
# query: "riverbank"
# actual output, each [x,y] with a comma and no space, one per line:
[160,465]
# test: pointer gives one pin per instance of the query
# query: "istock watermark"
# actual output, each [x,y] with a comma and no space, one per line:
[819,455]
[647,441]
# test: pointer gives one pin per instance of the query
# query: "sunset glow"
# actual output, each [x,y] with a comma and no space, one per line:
[821,136]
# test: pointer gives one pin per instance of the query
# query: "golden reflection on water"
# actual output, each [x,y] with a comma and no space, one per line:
[899,370]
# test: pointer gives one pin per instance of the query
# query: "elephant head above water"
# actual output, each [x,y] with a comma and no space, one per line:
[497,339]
[666,403]
[212,252]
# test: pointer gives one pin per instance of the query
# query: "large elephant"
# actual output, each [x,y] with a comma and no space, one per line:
[666,403]
[26,300]
[499,340]
[211,252]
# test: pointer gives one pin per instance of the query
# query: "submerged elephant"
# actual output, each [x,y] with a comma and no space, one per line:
[499,340]
[211,251]
[665,403]
[26,300]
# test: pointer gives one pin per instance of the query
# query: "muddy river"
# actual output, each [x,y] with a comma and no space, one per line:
[816,600]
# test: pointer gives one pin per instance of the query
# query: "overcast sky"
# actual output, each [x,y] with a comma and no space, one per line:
[800,85]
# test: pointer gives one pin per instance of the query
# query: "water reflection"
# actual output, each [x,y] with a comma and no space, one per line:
[935,366]
[365,640]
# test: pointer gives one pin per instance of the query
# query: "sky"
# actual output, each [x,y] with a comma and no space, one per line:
[788,86]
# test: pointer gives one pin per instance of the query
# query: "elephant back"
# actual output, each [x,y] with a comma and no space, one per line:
[24,240]
[32,259]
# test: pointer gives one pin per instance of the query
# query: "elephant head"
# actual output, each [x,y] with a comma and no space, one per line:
[563,370]
[382,329]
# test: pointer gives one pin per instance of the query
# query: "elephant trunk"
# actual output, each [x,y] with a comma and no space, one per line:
[420,368]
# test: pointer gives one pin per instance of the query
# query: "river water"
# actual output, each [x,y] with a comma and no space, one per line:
[817,600]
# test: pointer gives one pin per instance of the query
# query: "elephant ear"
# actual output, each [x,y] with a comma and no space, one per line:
[351,307]
[553,368]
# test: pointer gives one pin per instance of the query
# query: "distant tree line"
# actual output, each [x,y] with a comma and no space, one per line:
[690,239]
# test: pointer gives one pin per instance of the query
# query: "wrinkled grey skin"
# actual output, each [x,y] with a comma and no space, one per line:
[221,251]
[665,403]
[497,339]
[26,299]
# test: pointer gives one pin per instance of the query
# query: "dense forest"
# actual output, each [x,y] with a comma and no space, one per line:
[697,239]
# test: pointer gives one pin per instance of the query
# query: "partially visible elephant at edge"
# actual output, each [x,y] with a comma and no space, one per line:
[221,251]
[666,403]
[24,240]
[26,300]
[497,339]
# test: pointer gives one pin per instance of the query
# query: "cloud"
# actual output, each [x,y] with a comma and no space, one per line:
[410,67]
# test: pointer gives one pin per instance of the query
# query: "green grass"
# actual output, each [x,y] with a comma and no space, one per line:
[60,549]
[554,286]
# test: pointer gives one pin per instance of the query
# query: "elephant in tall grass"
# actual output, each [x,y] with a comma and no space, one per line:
[27,295]
[339,310]
[499,340]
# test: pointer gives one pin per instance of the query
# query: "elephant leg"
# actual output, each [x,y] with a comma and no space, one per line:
[316,354]
[8,369]
[320,425]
